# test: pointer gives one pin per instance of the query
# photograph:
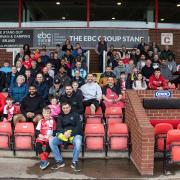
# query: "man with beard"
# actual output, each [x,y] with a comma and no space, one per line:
[74,99]
[31,107]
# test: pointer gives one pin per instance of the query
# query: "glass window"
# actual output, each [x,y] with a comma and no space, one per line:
[9,11]
[54,10]
[122,10]
[169,11]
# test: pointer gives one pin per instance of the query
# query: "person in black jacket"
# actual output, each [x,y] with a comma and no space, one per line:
[2,80]
[69,130]
[31,107]
[74,99]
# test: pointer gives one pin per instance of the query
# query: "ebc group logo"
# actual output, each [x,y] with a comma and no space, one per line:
[44,38]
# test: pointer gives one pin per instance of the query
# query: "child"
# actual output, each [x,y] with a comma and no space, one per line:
[9,110]
[27,62]
[45,130]
[139,84]
[76,89]
[55,107]
[171,85]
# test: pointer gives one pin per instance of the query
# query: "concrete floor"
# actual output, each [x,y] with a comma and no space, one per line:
[20,168]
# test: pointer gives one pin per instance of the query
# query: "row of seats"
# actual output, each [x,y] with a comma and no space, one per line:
[167,141]
[97,135]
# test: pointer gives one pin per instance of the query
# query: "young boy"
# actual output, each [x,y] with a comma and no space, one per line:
[9,110]
[45,130]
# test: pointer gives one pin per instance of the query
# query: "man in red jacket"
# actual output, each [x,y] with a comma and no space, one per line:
[157,81]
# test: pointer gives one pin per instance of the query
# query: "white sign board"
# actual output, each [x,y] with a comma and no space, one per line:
[166,38]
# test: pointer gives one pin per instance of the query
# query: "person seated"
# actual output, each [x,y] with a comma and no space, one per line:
[50,69]
[27,62]
[139,84]
[111,94]
[6,68]
[20,68]
[166,53]
[41,86]
[165,71]
[63,77]
[78,51]
[147,70]
[74,99]
[171,63]
[64,63]
[171,85]
[54,106]
[92,94]
[11,77]
[120,68]
[156,61]
[79,68]
[130,66]
[2,81]
[141,63]
[157,81]
[113,61]
[57,89]
[104,76]
[76,89]
[35,69]
[126,58]
[31,107]
[45,130]
[2,102]
[69,128]
[29,78]
[67,45]
[78,78]
[18,90]
[44,58]
[69,57]
[9,110]
[47,78]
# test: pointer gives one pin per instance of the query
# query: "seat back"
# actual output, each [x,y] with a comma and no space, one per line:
[173,139]
[118,129]
[26,128]
[24,136]
[113,112]
[178,126]
[113,120]
[94,130]
[97,114]
[160,131]
[93,120]
[5,128]
[5,134]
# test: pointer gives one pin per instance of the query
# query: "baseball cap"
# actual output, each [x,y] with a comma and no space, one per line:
[57,81]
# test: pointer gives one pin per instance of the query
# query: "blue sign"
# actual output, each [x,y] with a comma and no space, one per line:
[162,94]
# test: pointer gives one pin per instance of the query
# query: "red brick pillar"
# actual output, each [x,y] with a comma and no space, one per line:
[142,134]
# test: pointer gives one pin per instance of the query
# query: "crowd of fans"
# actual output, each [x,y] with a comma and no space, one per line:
[53,88]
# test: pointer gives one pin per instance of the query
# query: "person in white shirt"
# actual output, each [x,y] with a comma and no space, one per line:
[139,84]
[92,94]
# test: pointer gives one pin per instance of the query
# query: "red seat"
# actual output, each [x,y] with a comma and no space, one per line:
[118,136]
[113,112]
[5,135]
[160,131]
[24,136]
[94,136]
[93,120]
[97,114]
[113,120]
[178,126]
[173,140]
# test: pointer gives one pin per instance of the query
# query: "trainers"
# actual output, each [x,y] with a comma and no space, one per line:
[75,166]
[93,109]
[58,165]
[44,164]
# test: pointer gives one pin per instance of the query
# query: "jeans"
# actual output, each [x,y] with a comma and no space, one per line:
[55,142]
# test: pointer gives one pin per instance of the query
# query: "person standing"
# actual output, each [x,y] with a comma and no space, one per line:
[100,48]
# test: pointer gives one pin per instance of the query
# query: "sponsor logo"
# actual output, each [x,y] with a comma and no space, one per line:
[44,38]
[160,94]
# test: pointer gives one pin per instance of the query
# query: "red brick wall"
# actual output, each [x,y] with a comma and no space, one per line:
[160,113]
[142,134]
[5,56]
